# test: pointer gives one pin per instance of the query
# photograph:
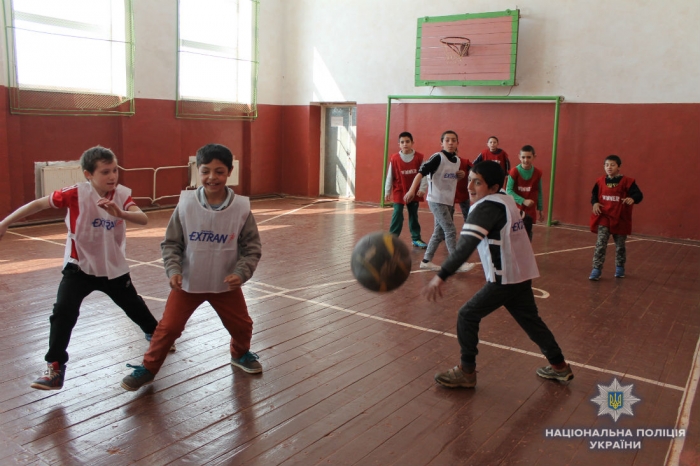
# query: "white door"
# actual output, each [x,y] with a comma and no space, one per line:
[339,133]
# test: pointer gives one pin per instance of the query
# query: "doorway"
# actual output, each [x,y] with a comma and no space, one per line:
[338,151]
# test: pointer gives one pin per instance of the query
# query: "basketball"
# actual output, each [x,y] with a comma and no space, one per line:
[381,261]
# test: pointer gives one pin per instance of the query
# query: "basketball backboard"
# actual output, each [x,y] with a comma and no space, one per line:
[467,50]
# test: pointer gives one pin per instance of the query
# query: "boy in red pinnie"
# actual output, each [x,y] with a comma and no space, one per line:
[613,197]
[402,169]
[525,185]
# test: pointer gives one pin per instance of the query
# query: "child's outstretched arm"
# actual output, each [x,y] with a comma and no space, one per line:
[412,190]
[25,211]
[172,249]
[132,214]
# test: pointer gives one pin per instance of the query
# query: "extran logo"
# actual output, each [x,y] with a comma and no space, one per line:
[615,399]
[208,236]
[100,222]
[450,176]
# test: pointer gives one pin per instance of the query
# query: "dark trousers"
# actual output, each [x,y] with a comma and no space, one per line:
[519,300]
[74,287]
[397,220]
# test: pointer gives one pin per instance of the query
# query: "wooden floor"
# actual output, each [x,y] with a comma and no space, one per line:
[348,374]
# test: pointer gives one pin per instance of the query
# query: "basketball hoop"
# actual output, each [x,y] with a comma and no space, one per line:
[458,45]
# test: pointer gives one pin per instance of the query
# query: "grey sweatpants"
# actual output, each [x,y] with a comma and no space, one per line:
[443,229]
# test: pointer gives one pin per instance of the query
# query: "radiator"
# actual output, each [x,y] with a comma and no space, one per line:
[56,176]
[194,174]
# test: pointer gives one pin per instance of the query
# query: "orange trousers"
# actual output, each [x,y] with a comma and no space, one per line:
[231,308]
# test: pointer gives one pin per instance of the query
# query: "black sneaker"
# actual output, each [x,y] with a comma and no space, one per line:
[248,362]
[137,379]
[548,372]
[52,378]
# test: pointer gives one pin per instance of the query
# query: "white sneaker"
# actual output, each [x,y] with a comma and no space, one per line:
[466,267]
[429,266]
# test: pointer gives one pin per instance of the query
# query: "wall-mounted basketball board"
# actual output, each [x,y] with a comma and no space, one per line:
[467,50]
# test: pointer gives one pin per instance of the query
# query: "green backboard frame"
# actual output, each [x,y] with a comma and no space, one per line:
[504,51]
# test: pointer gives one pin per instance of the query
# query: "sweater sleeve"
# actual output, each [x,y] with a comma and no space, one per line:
[594,194]
[173,246]
[539,195]
[388,182]
[510,189]
[635,193]
[249,249]
[431,165]
[481,220]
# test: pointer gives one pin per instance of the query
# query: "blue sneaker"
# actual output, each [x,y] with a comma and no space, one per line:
[419,244]
[619,272]
[52,378]
[595,274]
[248,362]
[150,335]
[137,379]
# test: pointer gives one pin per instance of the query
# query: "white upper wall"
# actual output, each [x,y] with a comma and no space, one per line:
[622,51]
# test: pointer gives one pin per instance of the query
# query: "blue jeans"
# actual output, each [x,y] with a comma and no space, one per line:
[519,301]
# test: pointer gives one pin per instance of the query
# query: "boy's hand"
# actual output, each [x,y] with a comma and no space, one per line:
[628,201]
[461,174]
[111,208]
[176,282]
[596,208]
[420,194]
[433,290]
[540,215]
[233,281]
[528,202]
[387,199]
[408,197]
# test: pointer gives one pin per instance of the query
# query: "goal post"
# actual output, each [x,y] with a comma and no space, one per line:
[557,102]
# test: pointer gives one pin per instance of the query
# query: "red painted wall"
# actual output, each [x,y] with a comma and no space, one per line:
[280,151]
[655,142]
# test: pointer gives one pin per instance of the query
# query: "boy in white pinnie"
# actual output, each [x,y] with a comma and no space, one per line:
[95,254]
[211,248]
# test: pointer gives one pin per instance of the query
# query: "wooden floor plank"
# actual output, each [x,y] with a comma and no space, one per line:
[348,374]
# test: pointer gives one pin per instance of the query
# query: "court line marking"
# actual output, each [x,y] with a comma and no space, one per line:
[673,455]
[438,332]
[294,210]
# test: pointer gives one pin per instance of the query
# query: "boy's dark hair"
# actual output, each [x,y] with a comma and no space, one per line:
[206,154]
[491,172]
[528,148]
[89,159]
[493,137]
[615,159]
[406,134]
[449,131]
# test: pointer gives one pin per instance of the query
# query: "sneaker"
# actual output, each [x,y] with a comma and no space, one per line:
[137,379]
[419,244]
[248,362]
[466,267]
[619,272]
[456,378]
[595,275]
[150,335]
[548,372]
[52,378]
[429,266]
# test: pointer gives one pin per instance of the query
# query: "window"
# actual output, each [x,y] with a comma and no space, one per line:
[217,59]
[70,57]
